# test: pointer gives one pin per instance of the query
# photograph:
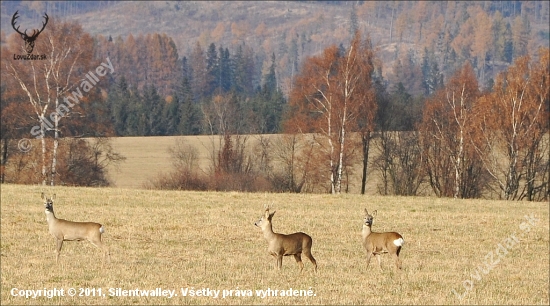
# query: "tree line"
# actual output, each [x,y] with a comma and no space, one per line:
[157,93]
[467,143]
[339,103]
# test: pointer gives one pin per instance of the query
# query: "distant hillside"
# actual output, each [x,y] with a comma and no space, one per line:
[488,33]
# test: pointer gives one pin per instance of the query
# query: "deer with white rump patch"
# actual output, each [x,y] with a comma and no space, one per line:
[380,243]
[64,230]
[279,245]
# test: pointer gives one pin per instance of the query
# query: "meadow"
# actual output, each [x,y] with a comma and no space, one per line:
[456,251]
[148,157]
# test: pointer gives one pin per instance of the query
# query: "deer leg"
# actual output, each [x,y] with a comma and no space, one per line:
[397,261]
[379,263]
[275,257]
[298,258]
[99,244]
[279,261]
[369,254]
[106,253]
[310,256]
[58,249]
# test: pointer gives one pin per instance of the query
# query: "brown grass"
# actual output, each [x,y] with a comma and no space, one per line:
[173,240]
[149,157]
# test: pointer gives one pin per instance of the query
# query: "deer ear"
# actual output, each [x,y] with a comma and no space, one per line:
[53,196]
[374,213]
[271,215]
[366,212]
[42,196]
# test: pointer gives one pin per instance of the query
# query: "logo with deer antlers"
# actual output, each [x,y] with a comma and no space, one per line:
[29,40]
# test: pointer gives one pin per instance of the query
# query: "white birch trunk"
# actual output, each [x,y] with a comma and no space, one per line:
[460,119]
[331,148]
[340,162]
[55,145]
[43,143]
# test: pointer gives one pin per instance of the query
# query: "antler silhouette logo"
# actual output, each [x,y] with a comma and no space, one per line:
[29,40]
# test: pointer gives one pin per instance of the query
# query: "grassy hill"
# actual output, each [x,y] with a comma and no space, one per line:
[176,240]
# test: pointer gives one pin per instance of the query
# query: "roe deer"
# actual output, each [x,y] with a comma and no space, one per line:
[279,245]
[64,230]
[379,243]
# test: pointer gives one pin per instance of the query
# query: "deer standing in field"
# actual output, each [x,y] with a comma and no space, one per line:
[380,243]
[64,230]
[279,245]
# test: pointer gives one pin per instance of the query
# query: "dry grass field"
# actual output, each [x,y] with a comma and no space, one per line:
[148,157]
[456,251]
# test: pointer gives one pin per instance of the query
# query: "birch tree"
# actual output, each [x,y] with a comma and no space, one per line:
[513,123]
[449,159]
[329,96]
[47,83]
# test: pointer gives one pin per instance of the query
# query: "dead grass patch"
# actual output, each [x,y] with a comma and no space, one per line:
[174,239]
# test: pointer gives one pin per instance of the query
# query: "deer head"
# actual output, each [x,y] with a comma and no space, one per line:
[29,40]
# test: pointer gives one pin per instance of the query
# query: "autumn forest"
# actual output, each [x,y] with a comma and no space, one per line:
[451,97]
